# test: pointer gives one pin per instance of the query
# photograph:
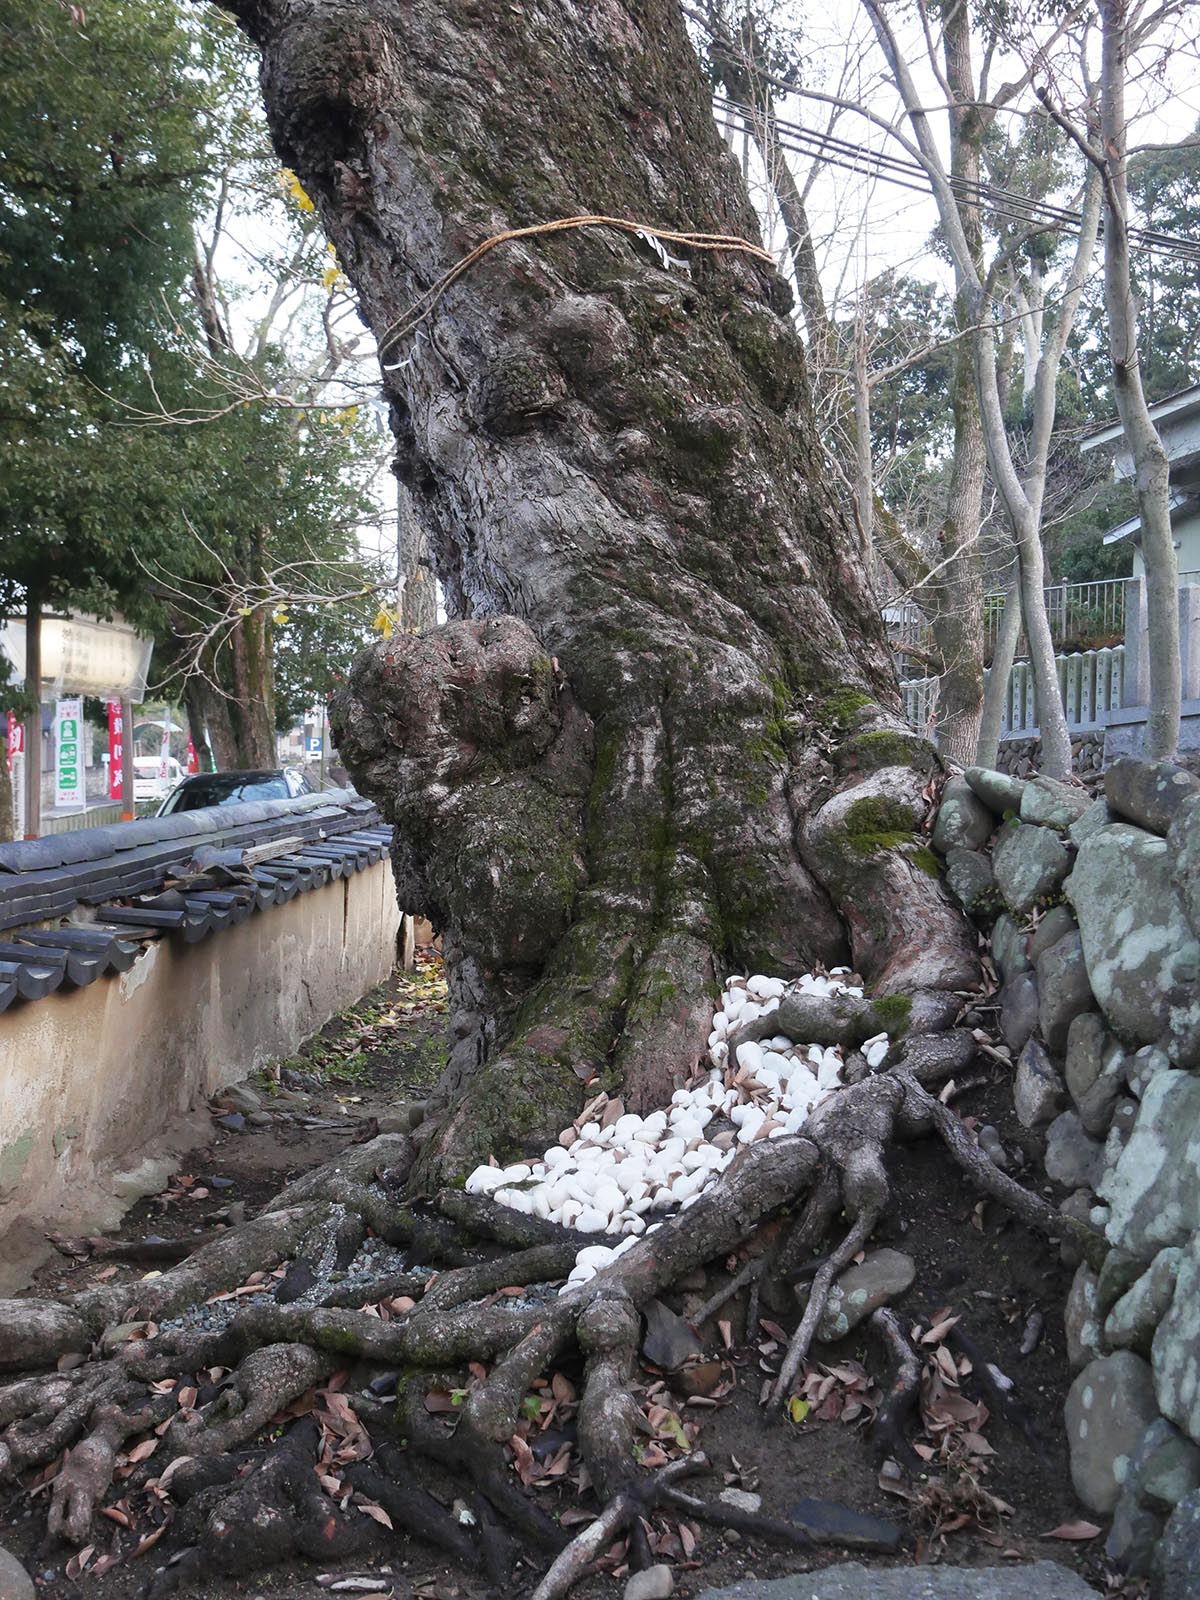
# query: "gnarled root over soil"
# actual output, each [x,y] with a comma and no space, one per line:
[172,1407]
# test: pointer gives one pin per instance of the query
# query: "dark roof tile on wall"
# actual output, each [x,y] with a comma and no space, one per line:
[123,885]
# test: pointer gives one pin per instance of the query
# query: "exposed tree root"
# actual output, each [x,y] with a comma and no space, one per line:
[493,1303]
[621,1512]
[890,1430]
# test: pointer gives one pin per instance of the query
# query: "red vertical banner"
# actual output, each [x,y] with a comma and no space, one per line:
[193,760]
[116,749]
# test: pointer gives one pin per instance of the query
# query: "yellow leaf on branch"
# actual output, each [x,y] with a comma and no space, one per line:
[296,189]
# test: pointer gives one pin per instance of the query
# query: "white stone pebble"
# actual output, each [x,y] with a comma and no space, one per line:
[607,1179]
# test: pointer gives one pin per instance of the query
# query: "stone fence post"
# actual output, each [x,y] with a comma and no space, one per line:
[1135,690]
[1189,641]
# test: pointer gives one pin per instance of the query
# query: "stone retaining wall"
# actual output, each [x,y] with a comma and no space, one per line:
[1093,908]
[1022,757]
[101,1087]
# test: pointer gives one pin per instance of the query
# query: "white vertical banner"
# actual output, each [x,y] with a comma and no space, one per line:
[18,793]
[68,754]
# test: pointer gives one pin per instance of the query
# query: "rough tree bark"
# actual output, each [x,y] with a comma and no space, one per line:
[660,736]
[621,455]
[958,588]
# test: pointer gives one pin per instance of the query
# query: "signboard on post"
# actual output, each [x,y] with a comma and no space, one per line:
[68,753]
[16,739]
[116,749]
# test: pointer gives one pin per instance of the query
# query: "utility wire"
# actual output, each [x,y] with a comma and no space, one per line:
[910,175]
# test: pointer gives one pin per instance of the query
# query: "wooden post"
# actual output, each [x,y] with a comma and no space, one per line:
[128,809]
[33,717]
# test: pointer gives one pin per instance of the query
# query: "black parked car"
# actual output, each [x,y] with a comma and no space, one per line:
[231,788]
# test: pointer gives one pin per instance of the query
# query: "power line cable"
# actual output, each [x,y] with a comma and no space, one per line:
[911,176]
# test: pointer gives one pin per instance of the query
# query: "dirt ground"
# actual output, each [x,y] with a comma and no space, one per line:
[973,1263]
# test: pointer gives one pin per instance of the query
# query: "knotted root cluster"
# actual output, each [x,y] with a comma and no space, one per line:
[158,1401]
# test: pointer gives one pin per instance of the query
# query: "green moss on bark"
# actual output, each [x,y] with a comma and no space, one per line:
[883,747]
[893,1012]
[876,824]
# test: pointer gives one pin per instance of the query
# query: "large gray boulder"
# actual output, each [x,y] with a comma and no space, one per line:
[1053,804]
[1177,1559]
[1163,1470]
[1143,1067]
[1165,1467]
[1183,848]
[1073,1157]
[1149,793]
[1176,1347]
[1086,1039]
[1040,1580]
[1109,1408]
[1131,1323]
[1154,1188]
[1019,1010]
[1009,951]
[969,879]
[1081,1325]
[963,821]
[1038,1092]
[1098,1103]
[1096,816]
[998,791]
[1055,925]
[1142,957]
[1028,863]
[1063,989]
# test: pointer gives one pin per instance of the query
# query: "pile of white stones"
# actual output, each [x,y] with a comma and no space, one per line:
[612,1170]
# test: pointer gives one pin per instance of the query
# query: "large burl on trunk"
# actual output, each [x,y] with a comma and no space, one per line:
[659,739]
[629,765]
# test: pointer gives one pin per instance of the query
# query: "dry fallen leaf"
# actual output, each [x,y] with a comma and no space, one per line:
[78,1562]
[1072,1530]
[376,1511]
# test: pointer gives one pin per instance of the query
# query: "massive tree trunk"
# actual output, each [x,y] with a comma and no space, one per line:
[660,738]
[647,777]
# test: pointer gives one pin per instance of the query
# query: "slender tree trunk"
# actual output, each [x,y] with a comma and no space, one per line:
[1008,634]
[197,699]
[864,474]
[958,585]
[207,708]
[251,675]
[1151,466]
[665,734]
[246,664]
